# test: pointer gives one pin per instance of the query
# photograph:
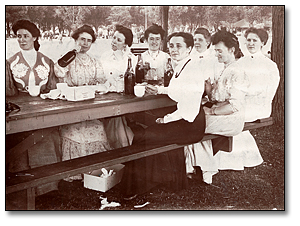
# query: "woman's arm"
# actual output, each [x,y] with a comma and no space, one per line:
[10,88]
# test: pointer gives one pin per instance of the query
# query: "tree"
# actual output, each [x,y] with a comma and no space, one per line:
[97,15]
[277,55]
[119,15]
[12,14]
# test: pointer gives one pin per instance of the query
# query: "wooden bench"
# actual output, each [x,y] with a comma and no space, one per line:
[57,171]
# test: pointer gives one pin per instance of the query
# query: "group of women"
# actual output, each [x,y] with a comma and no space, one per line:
[215,93]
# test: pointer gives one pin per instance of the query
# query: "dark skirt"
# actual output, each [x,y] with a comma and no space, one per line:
[167,168]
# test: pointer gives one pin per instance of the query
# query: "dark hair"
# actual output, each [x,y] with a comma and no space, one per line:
[29,26]
[203,31]
[85,28]
[261,33]
[187,37]
[127,34]
[229,40]
[155,29]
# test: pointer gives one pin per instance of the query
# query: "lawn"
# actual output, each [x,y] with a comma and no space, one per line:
[256,188]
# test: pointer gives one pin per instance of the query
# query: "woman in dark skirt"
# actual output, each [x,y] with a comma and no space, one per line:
[183,126]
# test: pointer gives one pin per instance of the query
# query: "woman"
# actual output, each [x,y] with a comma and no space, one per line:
[226,95]
[211,68]
[29,72]
[115,63]
[184,125]
[264,78]
[154,57]
[205,55]
[88,137]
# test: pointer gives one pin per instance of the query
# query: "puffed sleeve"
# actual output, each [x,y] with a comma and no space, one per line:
[274,79]
[10,88]
[60,72]
[51,84]
[239,84]
[100,76]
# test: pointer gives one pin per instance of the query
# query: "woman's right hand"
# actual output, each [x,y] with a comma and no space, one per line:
[208,86]
[150,89]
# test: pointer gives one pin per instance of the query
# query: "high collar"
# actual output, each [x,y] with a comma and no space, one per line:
[179,64]
[258,54]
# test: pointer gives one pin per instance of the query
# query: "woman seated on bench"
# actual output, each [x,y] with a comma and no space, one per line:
[29,72]
[183,126]
[225,115]
[264,78]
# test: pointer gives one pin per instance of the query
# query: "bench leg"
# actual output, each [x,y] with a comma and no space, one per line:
[30,198]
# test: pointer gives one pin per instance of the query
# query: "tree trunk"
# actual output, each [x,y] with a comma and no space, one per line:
[165,14]
[277,55]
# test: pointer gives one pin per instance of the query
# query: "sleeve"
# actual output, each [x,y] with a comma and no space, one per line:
[51,84]
[100,76]
[274,79]
[238,88]
[162,90]
[10,88]
[60,72]
[188,94]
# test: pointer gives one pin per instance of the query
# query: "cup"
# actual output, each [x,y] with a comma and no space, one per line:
[139,90]
[61,86]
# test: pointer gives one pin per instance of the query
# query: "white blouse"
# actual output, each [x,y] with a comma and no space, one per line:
[158,61]
[187,90]
[264,79]
[208,62]
[114,65]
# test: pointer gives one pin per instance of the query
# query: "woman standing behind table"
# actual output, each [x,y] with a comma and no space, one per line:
[184,125]
[31,72]
[115,63]
[227,96]
[205,55]
[211,68]
[88,137]
[154,60]
[264,78]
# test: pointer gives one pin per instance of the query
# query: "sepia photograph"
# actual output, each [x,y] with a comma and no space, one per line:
[144,107]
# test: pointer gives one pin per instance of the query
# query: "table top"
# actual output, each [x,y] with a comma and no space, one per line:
[37,113]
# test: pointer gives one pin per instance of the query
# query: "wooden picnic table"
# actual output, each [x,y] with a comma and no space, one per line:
[37,113]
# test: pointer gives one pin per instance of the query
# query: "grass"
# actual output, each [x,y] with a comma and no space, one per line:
[255,188]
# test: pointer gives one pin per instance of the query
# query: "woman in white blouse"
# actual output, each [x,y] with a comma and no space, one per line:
[115,63]
[154,57]
[264,78]
[226,95]
[184,125]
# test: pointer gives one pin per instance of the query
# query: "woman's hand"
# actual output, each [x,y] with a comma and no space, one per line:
[208,86]
[209,111]
[151,89]
[159,120]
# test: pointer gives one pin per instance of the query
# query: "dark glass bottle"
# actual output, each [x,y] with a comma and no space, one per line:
[168,73]
[129,79]
[139,70]
[67,58]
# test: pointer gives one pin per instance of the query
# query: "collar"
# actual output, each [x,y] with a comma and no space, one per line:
[30,56]
[180,64]
[257,55]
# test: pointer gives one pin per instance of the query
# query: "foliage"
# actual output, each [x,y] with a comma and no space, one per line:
[70,17]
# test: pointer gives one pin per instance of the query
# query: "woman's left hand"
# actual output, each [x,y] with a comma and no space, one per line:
[208,111]
[159,120]
[151,89]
